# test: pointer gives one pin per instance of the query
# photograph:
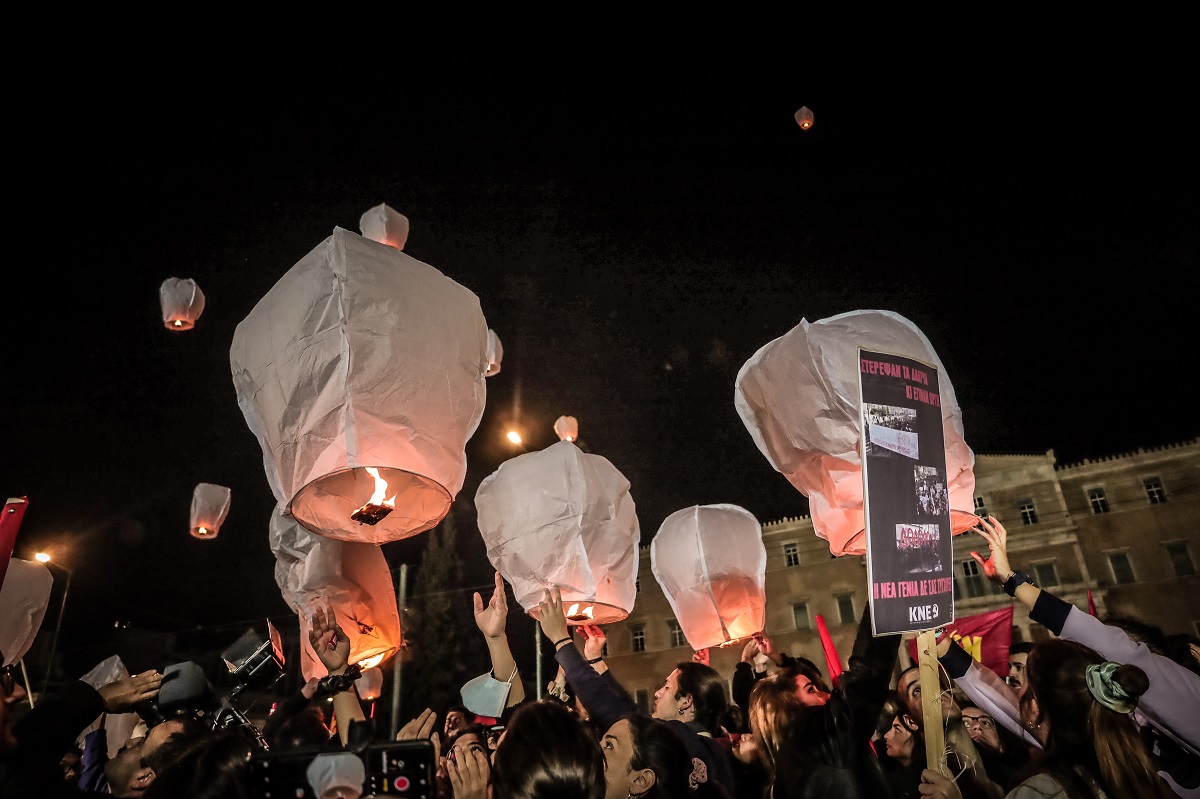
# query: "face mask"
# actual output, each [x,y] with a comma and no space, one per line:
[487,696]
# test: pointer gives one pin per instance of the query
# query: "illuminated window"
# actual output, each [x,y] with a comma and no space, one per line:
[1155,491]
[1097,500]
[1028,512]
[639,639]
[791,554]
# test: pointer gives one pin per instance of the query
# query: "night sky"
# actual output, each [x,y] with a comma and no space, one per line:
[634,236]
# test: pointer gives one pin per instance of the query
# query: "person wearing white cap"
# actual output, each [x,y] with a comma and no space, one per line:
[337,775]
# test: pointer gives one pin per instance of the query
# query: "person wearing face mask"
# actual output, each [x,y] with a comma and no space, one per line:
[491,693]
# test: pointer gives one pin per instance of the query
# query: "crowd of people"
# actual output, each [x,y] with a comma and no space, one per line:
[1102,709]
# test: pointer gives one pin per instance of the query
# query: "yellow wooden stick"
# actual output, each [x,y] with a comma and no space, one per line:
[931,705]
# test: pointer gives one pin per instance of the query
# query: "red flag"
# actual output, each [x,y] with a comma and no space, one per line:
[10,521]
[1091,603]
[832,662]
[985,636]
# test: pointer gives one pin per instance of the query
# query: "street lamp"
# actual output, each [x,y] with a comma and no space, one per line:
[43,557]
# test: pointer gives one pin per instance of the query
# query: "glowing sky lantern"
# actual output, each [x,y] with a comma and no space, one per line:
[804,117]
[567,428]
[23,599]
[361,356]
[495,354]
[370,685]
[798,396]
[385,225]
[210,506]
[351,578]
[182,303]
[563,517]
[711,564]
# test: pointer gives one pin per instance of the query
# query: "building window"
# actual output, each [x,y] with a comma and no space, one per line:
[637,586]
[791,554]
[604,650]
[1122,569]
[1155,491]
[643,699]
[677,637]
[973,580]
[1097,500]
[800,616]
[1181,558]
[1045,575]
[845,604]
[639,639]
[981,508]
[1028,512]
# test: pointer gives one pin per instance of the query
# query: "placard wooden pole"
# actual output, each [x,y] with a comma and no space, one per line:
[931,705]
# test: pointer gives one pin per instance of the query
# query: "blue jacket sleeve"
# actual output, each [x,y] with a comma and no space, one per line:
[606,704]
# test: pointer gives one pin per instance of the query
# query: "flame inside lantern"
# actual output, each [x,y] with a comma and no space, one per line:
[377,507]
[372,661]
[575,614]
[202,530]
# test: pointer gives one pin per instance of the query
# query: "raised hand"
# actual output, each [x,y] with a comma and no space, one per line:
[490,619]
[701,656]
[995,566]
[593,641]
[551,617]
[419,728]
[749,651]
[124,694]
[468,773]
[329,641]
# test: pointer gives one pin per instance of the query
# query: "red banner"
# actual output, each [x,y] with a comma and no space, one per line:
[10,522]
[833,663]
[985,636]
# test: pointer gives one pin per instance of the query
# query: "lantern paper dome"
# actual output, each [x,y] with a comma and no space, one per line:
[385,225]
[562,517]
[361,372]
[210,506]
[495,354]
[182,303]
[352,579]
[804,117]
[119,726]
[567,428]
[711,564]
[799,398]
[23,598]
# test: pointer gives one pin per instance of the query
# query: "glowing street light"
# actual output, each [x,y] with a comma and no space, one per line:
[42,557]
[514,436]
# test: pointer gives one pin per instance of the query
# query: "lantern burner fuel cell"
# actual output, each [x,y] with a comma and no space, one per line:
[370,514]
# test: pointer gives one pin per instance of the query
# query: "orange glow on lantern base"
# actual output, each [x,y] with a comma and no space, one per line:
[179,324]
[373,660]
[329,506]
[206,533]
[588,611]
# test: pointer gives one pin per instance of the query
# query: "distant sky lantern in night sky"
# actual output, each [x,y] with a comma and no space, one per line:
[182,303]
[711,564]
[351,578]
[567,428]
[23,600]
[359,358]
[798,397]
[210,506]
[385,225]
[804,117]
[563,517]
[495,354]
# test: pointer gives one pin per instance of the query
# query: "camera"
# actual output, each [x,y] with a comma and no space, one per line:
[186,691]
[398,768]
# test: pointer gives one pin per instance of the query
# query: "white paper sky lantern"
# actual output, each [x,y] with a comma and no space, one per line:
[385,225]
[210,506]
[23,600]
[798,396]
[351,578]
[711,564]
[495,354]
[182,303]
[567,428]
[362,357]
[804,117]
[562,517]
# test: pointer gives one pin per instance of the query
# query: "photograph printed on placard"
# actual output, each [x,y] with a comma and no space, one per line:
[890,430]
[917,545]
[932,497]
